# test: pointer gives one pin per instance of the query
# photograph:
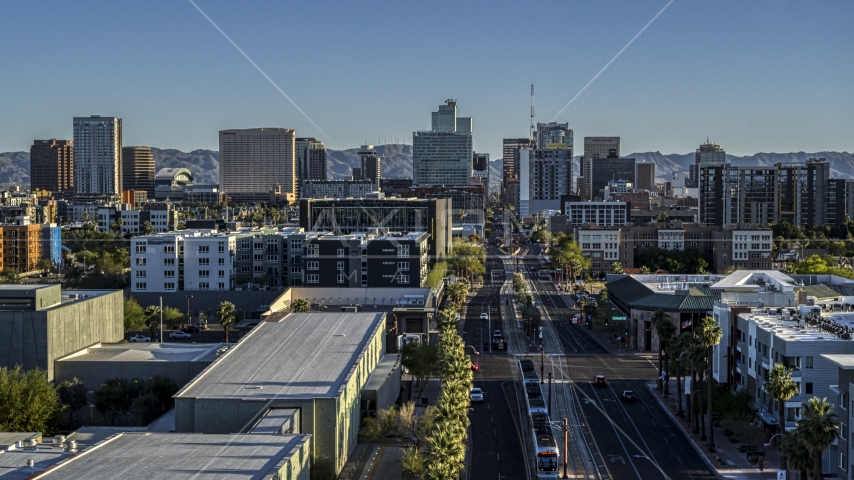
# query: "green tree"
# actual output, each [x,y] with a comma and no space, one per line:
[644,270]
[781,386]
[666,331]
[173,318]
[662,217]
[434,278]
[617,268]
[44,264]
[225,313]
[30,401]
[458,291]
[134,315]
[147,229]
[300,305]
[9,275]
[421,361]
[797,454]
[819,427]
[73,397]
[710,335]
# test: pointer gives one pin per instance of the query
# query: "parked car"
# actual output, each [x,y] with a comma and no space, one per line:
[477,395]
[139,338]
[191,329]
[180,335]
[600,381]
[628,396]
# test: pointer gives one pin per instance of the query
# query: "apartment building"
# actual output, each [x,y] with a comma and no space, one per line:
[374,260]
[335,188]
[52,165]
[97,156]
[605,214]
[730,246]
[545,175]
[186,260]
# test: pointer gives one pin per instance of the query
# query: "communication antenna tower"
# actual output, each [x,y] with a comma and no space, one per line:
[533,130]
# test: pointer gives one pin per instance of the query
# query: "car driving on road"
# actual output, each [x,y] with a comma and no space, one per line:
[628,396]
[600,381]
[484,316]
[476,395]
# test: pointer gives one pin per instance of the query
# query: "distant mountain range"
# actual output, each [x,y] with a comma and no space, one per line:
[397,163]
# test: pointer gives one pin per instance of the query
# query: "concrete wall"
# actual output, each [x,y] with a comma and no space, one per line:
[82,323]
[208,301]
[94,373]
[35,339]
[297,466]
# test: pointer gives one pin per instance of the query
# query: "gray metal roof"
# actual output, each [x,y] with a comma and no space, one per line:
[179,456]
[302,356]
[146,352]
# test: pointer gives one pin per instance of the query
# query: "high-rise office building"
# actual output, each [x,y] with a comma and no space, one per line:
[311,159]
[600,147]
[253,162]
[52,165]
[480,167]
[645,176]
[545,174]
[611,168]
[138,169]
[554,135]
[595,148]
[443,155]
[708,154]
[371,165]
[97,156]
[510,168]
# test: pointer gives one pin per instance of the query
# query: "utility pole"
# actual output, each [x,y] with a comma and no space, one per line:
[565,446]
[550,394]
[542,365]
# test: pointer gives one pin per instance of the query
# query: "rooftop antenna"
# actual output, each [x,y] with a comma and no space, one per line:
[533,131]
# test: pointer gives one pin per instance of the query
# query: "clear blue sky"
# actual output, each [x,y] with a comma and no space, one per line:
[770,76]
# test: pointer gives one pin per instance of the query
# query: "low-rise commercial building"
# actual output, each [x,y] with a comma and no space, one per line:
[41,323]
[331,357]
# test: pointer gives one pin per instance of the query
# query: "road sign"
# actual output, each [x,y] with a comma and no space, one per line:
[619,318]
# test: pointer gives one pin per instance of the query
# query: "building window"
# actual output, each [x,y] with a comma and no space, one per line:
[272,258]
[168,273]
[312,250]
[340,252]
[204,286]
[204,273]
[204,249]
[204,261]
[140,285]
[403,266]
[402,251]
[312,265]
[312,278]
[221,261]
[808,362]
[244,269]
[169,249]
[258,268]
[403,279]
[342,278]
[140,262]
[258,257]
[140,274]
[340,266]
[221,286]
[808,388]
[221,274]
[169,286]
[140,247]
[221,247]
[168,262]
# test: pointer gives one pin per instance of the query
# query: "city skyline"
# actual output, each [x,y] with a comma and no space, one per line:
[764,81]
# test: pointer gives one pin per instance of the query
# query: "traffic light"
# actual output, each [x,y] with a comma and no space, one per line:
[606,321]
[627,332]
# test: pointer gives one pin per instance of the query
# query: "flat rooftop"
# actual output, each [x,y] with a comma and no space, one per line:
[146,352]
[792,330]
[181,456]
[746,280]
[290,356]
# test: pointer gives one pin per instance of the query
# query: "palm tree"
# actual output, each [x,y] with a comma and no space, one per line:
[679,346]
[781,386]
[225,314]
[819,427]
[798,456]
[710,335]
[665,330]
[151,317]
[300,305]
[696,364]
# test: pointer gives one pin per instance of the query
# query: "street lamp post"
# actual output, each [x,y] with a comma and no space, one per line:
[161,319]
[188,308]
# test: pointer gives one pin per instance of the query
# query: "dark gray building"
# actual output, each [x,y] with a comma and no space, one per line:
[604,170]
[367,261]
[399,215]
[371,165]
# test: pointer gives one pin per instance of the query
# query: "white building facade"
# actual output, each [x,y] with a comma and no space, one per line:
[98,156]
[187,260]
